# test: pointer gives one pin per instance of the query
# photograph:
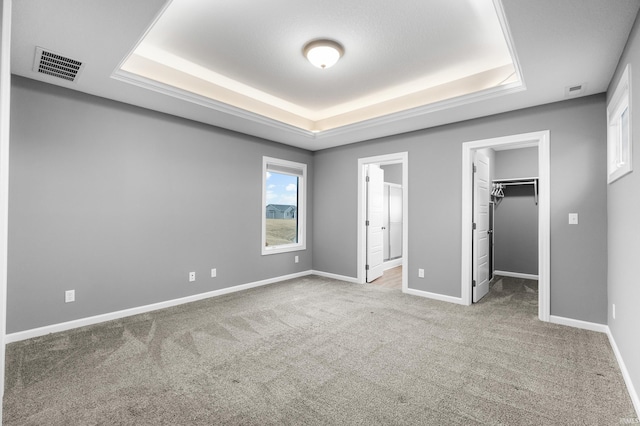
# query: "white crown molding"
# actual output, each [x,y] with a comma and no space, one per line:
[408,114]
[206,102]
[224,108]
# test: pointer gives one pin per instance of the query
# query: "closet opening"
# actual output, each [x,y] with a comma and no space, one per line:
[506,217]
[513,222]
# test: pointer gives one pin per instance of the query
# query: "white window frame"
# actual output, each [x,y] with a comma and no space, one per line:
[619,144]
[281,166]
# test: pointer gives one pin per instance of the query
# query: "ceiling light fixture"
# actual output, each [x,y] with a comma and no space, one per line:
[323,53]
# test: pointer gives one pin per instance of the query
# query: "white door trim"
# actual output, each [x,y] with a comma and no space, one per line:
[5,109]
[402,158]
[541,140]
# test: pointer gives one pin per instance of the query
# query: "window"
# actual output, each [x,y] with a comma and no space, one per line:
[283,205]
[619,130]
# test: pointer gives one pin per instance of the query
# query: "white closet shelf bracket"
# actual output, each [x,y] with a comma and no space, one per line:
[520,181]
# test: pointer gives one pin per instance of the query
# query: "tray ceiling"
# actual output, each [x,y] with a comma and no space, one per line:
[407,65]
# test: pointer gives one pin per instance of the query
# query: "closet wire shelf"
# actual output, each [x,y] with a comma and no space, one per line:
[499,184]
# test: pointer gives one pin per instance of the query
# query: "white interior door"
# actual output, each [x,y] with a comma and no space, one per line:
[375,222]
[481,199]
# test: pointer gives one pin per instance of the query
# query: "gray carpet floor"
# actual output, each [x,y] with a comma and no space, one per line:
[319,351]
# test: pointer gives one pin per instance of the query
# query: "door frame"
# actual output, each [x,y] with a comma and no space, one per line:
[396,158]
[541,140]
[5,109]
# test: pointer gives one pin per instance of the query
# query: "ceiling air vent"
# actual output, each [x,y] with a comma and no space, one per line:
[578,89]
[56,65]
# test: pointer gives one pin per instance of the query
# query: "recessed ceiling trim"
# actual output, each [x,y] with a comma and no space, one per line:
[456,89]
[460,101]
[506,30]
[206,102]
[168,61]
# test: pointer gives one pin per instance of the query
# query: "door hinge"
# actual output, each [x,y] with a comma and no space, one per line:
[366,267]
[367,180]
[473,283]
[474,226]
[475,169]
[366,223]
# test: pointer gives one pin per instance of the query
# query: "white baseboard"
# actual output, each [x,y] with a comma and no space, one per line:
[55,328]
[336,276]
[392,264]
[625,373]
[516,275]
[602,328]
[435,296]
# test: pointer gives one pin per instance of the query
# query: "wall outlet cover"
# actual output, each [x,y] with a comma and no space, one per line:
[613,311]
[69,296]
[573,218]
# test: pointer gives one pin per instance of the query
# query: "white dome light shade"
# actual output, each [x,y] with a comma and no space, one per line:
[323,53]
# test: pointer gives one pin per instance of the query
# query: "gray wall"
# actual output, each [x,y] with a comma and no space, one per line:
[516,163]
[623,203]
[392,173]
[516,215]
[121,203]
[578,184]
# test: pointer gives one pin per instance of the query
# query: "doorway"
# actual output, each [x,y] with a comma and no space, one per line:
[536,139]
[511,174]
[401,237]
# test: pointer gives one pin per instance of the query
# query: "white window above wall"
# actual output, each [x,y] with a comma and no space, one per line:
[283,206]
[619,143]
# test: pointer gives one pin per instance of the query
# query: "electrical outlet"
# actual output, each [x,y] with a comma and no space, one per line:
[296,259]
[613,311]
[420,273]
[214,273]
[69,296]
[192,277]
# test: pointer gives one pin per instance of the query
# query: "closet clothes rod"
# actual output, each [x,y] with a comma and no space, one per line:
[521,181]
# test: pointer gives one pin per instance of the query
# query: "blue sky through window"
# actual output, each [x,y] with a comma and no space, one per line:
[282,189]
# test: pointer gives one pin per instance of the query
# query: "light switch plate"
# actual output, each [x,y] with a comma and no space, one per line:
[573,218]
